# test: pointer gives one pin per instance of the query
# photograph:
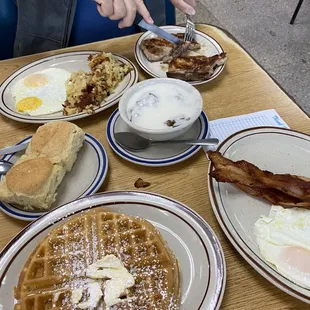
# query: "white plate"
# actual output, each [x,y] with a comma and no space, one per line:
[277,150]
[85,178]
[209,47]
[72,61]
[195,245]
[157,155]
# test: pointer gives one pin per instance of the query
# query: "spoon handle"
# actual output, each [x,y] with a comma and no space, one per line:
[210,141]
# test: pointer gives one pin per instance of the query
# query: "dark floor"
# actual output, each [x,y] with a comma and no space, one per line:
[263,28]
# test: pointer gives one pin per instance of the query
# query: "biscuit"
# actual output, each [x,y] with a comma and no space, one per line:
[33,180]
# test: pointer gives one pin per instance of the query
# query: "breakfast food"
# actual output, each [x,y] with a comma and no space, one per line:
[87,90]
[279,189]
[160,105]
[283,235]
[283,239]
[59,141]
[33,180]
[157,49]
[193,68]
[32,183]
[42,92]
[181,65]
[100,260]
[179,51]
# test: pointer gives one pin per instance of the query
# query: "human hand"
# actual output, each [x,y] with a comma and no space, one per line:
[125,10]
[185,6]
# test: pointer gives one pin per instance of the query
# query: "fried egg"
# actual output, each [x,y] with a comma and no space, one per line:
[283,238]
[42,92]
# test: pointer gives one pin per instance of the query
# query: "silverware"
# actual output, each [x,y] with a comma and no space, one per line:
[190,29]
[160,32]
[13,149]
[134,142]
[5,166]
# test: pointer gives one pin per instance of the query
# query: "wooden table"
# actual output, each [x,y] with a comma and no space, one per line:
[243,87]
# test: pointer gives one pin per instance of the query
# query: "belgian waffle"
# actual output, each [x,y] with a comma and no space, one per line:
[57,266]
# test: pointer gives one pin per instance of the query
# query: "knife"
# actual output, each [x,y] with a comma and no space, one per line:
[160,32]
[13,149]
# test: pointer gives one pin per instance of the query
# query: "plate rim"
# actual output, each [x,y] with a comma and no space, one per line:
[219,265]
[37,120]
[205,124]
[262,267]
[167,27]
[92,188]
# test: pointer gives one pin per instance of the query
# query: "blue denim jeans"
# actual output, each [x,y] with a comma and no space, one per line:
[45,25]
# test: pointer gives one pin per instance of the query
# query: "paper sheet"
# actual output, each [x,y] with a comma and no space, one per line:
[224,127]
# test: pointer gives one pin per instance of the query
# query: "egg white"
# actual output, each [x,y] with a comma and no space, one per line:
[52,95]
[283,238]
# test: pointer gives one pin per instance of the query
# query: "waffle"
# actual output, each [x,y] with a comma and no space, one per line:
[58,265]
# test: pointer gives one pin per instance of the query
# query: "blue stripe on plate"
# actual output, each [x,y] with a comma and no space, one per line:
[100,175]
[153,162]
[10,211]
[103,165]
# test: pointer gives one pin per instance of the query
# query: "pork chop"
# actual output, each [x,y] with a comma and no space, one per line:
[156,49]
[195,68]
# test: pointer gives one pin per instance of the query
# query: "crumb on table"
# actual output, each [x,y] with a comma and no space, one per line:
[141,184]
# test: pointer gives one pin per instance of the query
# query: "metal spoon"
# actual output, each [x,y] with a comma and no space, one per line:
[134,142]
[5,166]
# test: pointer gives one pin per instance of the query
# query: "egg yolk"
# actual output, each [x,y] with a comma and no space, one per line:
[297,257]
[35,80]
[28,103]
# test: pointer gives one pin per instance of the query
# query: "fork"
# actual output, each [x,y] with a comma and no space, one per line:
[190,29]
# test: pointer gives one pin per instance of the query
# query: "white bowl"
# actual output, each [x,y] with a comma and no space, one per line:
[169,132]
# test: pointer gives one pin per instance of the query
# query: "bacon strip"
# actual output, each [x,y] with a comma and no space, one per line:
[280,189]
[274,196]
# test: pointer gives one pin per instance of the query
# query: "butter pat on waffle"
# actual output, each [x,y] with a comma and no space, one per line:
[100,260]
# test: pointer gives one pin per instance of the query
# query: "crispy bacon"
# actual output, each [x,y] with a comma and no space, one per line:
[286,183]
[274,196]
[280,189]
